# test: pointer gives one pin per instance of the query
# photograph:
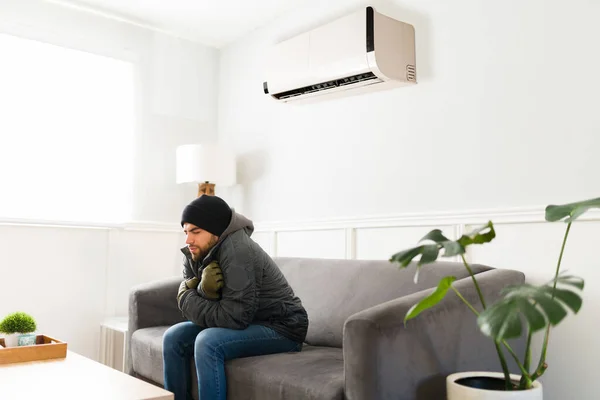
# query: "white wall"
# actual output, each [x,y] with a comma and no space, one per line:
[503,117]
[70,278]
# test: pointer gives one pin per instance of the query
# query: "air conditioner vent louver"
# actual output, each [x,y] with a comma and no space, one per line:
[326,85]
[411,73]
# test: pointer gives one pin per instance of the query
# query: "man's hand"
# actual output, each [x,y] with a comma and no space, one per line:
[212,280]
[187,285]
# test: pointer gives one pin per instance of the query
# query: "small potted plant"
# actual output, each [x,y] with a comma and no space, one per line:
[540,307]
[18,328]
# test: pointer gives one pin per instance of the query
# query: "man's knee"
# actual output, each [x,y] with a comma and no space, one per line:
[207,341]
[170,337]
[173,336]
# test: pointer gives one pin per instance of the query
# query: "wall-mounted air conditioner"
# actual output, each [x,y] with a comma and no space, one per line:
[361,52]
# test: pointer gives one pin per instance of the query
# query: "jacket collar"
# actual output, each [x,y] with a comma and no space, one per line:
[238,222]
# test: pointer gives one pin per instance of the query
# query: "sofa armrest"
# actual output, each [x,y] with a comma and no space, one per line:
[383,359]
[152,304]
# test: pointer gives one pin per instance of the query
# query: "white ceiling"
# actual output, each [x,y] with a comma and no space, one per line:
[214,23]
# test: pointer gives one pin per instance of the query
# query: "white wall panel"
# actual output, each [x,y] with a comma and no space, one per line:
[382,243]
[531,248]
[137,257]
[317,243]
[58,275]
[265,240]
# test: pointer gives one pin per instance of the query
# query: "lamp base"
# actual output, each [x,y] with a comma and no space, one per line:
[206,188]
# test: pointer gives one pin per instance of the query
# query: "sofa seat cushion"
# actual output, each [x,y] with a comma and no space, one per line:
[315,373]
[146,352]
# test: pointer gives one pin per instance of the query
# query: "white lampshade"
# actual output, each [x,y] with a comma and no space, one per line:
[212,163]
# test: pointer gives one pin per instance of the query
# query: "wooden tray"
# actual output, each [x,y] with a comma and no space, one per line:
[46,348]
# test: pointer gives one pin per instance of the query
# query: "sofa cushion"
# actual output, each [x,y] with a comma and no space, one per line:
[146,352]
[333,290]
[315,373]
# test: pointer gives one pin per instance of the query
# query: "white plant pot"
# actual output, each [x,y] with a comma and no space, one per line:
[11,340]
[19,339]
[458,391]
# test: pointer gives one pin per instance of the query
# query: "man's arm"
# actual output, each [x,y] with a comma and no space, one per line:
[239,300]
[187,269]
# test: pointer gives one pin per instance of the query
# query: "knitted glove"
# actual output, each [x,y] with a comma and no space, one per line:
[212,280]
[186,285]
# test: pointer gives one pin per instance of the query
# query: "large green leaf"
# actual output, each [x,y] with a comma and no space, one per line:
[481,235]
[404,257]
[435,235]
[507,322]
[431,300]
[571,280]
[430,252]
[538,305]
[571,210]
[452,249]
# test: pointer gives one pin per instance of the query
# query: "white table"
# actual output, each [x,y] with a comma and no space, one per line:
[107,341]
[73,377]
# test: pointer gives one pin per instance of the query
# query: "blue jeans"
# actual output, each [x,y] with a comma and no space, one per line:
[211,347]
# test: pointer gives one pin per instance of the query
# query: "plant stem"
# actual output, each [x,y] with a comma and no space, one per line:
[542,364]
[474,281]
[527,360]
[465,301]
[562,251]
[524,373]
[507,380]
[539,372]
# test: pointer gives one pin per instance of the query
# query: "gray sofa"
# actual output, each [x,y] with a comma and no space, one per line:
[357,347]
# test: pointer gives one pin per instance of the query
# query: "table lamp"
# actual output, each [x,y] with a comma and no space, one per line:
[206,165]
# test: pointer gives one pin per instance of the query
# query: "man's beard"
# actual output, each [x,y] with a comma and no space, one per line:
[204,251]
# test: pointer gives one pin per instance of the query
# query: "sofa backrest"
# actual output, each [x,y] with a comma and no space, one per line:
[333,290]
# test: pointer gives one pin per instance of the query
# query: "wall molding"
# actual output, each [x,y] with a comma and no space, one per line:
[151,226]
[452,223]
[517,215]
[458,219]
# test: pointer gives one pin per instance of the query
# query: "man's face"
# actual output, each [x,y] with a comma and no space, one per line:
[199,241]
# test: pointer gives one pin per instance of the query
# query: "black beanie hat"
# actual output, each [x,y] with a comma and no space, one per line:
[210,213]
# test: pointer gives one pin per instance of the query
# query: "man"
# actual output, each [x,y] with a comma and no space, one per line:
[236,300]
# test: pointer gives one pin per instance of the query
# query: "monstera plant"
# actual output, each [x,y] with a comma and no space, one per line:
[521,309]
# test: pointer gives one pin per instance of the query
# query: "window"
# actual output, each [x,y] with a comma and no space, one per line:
[67,124]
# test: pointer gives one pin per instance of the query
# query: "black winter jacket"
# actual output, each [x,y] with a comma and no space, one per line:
[255,291]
